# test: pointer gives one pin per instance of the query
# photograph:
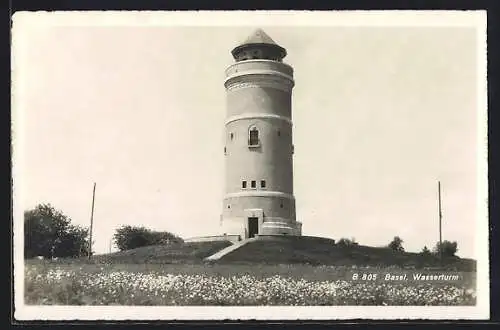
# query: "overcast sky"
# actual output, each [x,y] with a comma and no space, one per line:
[380,115]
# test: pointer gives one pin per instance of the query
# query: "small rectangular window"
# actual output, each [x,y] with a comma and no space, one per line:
[254,184]
[254,137]
[262,183]
[243,184]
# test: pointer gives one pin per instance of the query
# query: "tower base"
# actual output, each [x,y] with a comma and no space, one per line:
[281,228]
[256,224]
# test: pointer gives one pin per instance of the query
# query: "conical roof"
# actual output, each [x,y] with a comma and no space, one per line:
[259,37]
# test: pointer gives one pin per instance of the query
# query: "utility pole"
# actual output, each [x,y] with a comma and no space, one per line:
[440,221]
[91,222]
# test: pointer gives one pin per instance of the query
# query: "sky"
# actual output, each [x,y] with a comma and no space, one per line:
[380,114]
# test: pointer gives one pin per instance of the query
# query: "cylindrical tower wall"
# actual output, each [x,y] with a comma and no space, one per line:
[254,97]
[259,147]
[271,162]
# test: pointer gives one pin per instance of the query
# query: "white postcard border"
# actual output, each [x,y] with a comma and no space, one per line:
[476,19]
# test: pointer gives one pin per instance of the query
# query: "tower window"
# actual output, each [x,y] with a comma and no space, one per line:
[225,150]
[262,183]
[255,54]
[253,138]
[231,136]
[243,184]
[281,204]
[253,184]
[279,133]
[229,206]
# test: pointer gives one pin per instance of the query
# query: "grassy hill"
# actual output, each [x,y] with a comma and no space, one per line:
[283,250]
[323,251]
[176,253]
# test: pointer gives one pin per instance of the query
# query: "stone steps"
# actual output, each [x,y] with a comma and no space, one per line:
[229,249]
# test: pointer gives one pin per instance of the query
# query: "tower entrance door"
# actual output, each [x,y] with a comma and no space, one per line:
[253,226]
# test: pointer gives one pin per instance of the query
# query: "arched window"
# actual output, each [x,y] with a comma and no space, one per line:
[253,136]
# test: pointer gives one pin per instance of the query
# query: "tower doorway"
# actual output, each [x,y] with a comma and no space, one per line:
[253,226]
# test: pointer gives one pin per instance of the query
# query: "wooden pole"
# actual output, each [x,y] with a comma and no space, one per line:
[91,222]
[440,223]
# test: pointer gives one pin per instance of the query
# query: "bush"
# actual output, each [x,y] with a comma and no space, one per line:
[447,248]
[49,233]
[345,242]
[128,237]
[396,244]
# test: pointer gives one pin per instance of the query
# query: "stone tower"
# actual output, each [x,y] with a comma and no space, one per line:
[258,147]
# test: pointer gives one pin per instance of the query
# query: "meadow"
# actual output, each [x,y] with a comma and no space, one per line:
[77,283]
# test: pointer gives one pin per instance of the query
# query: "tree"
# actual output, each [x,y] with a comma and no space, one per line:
[425,251]
[129,237]
[396,244]
[73,242]
[49,233]
[447,248]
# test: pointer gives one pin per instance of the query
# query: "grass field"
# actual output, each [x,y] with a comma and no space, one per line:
[196,284]
[275,272]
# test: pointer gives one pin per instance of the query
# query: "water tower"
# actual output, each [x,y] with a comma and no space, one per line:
[259,147]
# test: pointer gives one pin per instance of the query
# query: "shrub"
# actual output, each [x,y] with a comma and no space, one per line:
[345,242]
[129,237]
[447,248]
[396,244]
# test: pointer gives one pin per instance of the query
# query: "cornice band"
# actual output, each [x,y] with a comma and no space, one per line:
[257,116]
[272,73]
[260,84]
[260,193]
